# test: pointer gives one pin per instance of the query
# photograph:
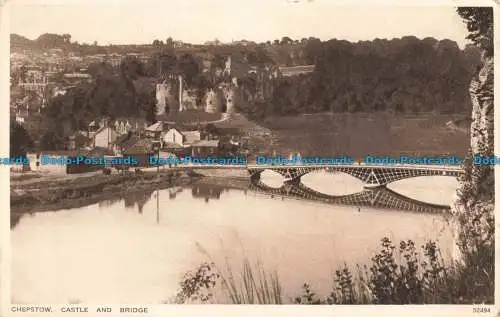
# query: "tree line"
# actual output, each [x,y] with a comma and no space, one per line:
[113,93]
[405,75]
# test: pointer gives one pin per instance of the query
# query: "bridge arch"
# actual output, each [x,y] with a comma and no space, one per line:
[380,198]
[371,176]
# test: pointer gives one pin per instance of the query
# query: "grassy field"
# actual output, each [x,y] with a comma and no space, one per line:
[190,117]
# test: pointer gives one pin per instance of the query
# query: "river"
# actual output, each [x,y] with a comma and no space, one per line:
[136,250]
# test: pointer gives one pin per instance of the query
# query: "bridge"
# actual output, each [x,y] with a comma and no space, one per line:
[378,198]
[370,175]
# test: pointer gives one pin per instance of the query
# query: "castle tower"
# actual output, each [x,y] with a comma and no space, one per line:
[165,98]
[227,68]
[213,104]
[230,95]
[161,98]
[181,105]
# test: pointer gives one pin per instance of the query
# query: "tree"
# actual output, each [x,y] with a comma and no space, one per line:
[258,57]
[51,141]
[475,206]
[408,74]
[189,67]
[161,64]
[480,26]
[20,141]
[312,50]
[170,42]
[48,41]
[132,68]
[147,103]
[286,40]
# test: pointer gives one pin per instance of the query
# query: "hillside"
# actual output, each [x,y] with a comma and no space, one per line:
[406,75]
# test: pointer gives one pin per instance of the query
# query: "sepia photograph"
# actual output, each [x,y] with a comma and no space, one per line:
[249,152]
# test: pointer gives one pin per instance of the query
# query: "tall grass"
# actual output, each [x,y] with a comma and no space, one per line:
[395,275]
[210,283]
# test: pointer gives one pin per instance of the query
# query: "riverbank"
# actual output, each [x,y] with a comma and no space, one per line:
[39,193]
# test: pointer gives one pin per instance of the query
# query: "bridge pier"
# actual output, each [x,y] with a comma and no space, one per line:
[255,177]
[292,181]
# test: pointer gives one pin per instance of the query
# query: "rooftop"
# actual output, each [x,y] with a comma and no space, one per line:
[191,136]
[207,143]
[142,146]
[156,127]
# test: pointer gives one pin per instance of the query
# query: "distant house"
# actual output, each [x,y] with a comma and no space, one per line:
[125,125]
[76,78]
[155,130]
[142,149]
[181,138]
[189,142]
[43,162]
[124,142]
[205,148]
[104,137]
[92,129]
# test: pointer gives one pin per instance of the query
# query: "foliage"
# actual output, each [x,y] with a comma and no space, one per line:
[195,286]
[476,195]
[253,287]
[395,276]
[480,26]
[400,75]
[112,94]
[20,141]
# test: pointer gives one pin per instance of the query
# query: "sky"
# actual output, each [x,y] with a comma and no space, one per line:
[198,21]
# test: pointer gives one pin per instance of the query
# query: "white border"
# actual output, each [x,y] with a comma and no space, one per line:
[222,310]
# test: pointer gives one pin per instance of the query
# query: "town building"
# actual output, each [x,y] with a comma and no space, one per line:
[181,138]
[114,59]
[155,131]
[189,142]
[142,149]
[124,142]
[103,137]
[205,148]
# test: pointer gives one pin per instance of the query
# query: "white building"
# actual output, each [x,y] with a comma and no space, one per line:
[104,137]
[182,138]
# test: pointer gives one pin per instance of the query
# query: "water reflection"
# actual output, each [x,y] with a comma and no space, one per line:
[207,191]
[380,198]
[174,191]
[100,253]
